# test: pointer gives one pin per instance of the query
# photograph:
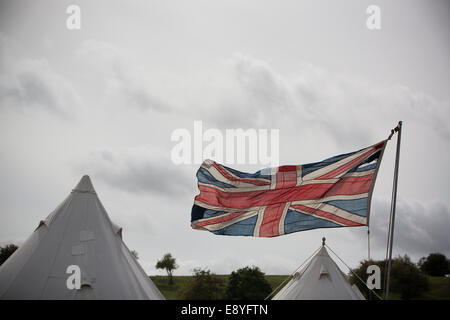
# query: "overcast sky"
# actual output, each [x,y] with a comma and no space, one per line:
[104,100]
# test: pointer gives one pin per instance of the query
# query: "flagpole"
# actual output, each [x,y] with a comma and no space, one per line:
[368,254]
[393,205]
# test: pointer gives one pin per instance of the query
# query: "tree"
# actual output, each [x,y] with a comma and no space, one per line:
[169,264]
[361,272]
[436,265]
[407,279]
[204,286]
[6,252]
[247,284]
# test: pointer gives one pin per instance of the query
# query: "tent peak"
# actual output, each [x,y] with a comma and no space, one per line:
[323,252]
[85,185]
[320,279]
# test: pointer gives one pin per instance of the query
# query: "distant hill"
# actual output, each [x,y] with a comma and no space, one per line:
[439,286]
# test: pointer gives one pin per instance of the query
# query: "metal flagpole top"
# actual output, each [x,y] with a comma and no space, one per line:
[396,129]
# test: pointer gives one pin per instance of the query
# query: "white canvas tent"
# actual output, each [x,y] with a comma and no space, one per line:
[321,279]
[78,232]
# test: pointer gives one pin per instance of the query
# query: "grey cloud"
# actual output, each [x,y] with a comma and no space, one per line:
[420,228]
[265,87]
[121,75]
[138,171]
[33,90]
[30,84]
[136,93]
[315,98]
[256,95]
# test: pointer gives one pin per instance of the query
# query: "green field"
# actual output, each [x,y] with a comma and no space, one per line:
[439,286]
[173,292]
[439,289]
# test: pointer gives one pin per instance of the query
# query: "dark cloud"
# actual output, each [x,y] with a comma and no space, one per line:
[36,87]
[420,227]
[314,99]
[136,93]
[31,84]
[125,81]
[139,171]
[265,88]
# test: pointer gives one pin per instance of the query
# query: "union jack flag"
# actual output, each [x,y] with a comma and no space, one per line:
[335,192]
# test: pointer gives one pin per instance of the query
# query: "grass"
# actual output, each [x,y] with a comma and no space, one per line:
[171,291]
[439,286]
[275,281]
[174,291]
[439,289]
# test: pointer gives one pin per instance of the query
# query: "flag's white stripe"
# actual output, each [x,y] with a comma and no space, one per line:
[317,216]
[216,174]
[224,224]
[219,177]
[337,212]
[238,189]
[299,176]
[334,180]
[220,208]
[331,167]
[306,182]
[282,218]
[331,198]
[259,221]
[273,180]
[359,174]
